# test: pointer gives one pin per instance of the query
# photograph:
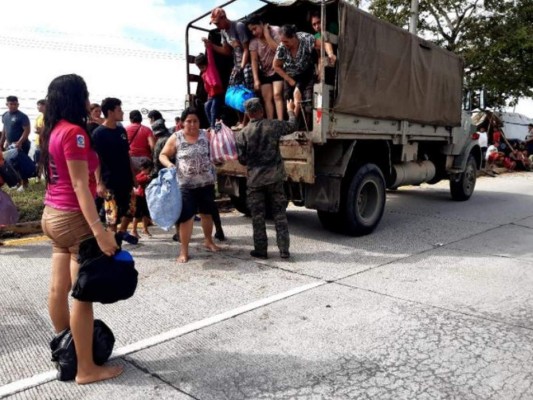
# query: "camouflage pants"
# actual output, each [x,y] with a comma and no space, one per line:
[259,199]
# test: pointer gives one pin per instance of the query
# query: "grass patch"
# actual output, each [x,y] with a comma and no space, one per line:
[29,202]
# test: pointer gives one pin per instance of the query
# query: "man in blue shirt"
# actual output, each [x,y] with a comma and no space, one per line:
[16,132]
[16,127]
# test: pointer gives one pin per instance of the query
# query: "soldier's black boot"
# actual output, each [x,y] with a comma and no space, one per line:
[284,253]
[259,254]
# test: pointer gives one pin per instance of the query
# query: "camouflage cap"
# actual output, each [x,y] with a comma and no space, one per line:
[253,105]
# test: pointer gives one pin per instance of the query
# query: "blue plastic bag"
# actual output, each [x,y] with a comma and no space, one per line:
[237,95]
[163,196]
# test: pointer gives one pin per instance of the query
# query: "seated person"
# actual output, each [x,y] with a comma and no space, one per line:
[519,156]
[332,27]
[493,157]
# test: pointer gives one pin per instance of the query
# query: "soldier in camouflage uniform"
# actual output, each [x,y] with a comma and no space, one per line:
[258,149]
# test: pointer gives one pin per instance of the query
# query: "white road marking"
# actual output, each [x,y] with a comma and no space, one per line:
[39,379]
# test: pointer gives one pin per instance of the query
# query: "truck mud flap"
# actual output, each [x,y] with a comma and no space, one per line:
[229,185]
[298,158]
[325,194]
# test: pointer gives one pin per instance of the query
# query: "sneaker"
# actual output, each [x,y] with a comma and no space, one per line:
[128,238]
[259,254]
[20,189]
[176,237]
[284,253]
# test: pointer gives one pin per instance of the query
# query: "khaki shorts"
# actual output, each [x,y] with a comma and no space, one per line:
[66,229]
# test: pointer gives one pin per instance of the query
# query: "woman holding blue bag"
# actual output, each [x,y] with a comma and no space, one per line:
[196,176]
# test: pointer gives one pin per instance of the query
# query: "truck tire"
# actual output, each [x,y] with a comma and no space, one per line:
[240,204]
[462,185]
[365,201]
[332,221]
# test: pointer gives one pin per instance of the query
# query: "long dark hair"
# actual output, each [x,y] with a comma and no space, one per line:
[66,99]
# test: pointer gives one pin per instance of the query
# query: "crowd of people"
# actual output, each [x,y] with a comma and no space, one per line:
[278,63]
[503,153]
[96,172]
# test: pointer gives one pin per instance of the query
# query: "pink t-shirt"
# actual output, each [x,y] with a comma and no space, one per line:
[68,142]
[139,147]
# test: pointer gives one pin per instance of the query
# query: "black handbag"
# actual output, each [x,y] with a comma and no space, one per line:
[64,352]
[101,278]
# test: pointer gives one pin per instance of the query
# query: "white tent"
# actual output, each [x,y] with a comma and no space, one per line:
[515,125]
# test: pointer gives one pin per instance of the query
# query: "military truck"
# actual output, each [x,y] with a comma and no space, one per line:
[389,115]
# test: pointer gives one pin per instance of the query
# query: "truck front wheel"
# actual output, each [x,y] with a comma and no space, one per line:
[365,200]
[462,185]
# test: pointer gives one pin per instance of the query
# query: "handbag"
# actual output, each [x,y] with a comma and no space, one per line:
[223,147]
[163,197]
[211,76]
[101,278]
[237,95]
[64,351]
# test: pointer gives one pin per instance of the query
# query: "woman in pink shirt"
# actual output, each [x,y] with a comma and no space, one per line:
[70,214]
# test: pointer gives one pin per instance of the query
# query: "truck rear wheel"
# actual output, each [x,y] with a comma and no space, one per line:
[365,200]
[362,206]
[239,200]
[462,185]
[332,221]
[240,204]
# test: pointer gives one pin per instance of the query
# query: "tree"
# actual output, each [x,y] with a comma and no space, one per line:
[495,38]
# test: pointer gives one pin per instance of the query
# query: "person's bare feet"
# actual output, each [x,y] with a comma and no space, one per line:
[210,245]
[99,374]
[182,258]
[136,234]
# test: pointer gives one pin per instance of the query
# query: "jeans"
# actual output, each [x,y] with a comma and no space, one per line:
[213,106]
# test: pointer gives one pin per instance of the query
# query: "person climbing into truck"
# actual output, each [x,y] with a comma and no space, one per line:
[294,62]
[235,41]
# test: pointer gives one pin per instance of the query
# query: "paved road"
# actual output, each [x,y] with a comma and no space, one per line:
[436,304]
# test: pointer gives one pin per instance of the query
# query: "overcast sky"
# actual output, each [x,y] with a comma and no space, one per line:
[131,49]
